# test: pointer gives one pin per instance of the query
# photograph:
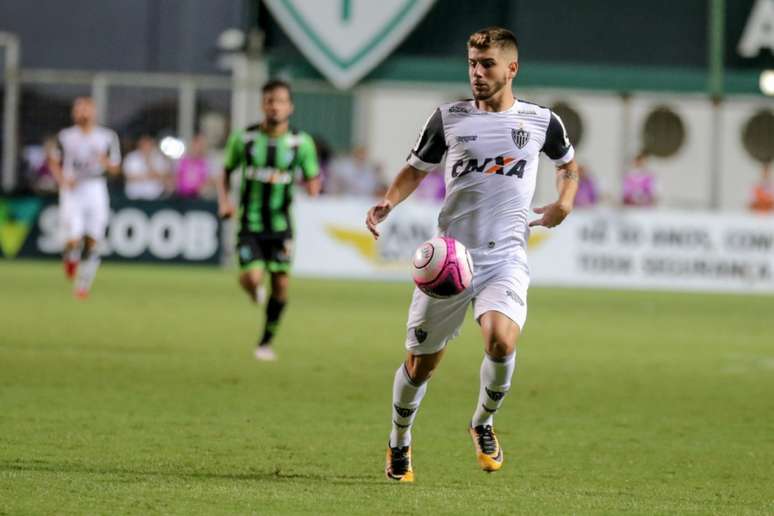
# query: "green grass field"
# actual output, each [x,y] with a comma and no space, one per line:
[146,399]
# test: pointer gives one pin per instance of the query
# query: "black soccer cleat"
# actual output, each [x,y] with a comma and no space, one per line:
[488,451]
[399,466]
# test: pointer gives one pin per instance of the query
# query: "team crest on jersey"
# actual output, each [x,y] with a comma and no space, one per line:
[520,137]
[245,253]
[288,156]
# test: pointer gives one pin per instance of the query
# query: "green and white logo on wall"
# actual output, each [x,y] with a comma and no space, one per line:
[346,39]
[17,217]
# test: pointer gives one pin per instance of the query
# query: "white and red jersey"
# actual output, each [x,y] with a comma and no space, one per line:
[81,152]
[491,171]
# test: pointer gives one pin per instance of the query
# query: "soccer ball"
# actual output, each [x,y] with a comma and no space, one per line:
[442,267]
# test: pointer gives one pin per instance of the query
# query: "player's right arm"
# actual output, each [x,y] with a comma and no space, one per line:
[55,165]
[426,155]
[233,158]
[403,185]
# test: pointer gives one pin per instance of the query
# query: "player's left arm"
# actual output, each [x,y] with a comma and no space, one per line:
[111,160]
[558,148]
[310,167]
[567,185]
[55,160]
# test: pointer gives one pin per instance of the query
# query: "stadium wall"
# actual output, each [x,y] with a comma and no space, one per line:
[600,248]
[708,170]
[171,230]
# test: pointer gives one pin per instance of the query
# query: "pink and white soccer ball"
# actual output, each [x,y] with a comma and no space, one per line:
[442,267]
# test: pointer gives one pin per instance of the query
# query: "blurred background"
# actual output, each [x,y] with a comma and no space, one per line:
[668,105]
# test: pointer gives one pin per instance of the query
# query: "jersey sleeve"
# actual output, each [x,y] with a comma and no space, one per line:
[114,149]
[234,153]
[557,145]
[431,144]
[307,157]
[58,153]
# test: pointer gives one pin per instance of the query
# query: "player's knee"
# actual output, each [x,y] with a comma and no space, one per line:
[248,281]
[417,375]
[499,346]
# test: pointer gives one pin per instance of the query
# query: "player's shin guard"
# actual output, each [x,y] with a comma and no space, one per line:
[86,271]
[496,376]
[406,397]
[274,310]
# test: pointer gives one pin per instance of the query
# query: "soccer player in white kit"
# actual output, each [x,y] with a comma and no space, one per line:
[492,144]
[86,152]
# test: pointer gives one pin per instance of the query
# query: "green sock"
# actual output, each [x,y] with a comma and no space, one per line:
[274,309]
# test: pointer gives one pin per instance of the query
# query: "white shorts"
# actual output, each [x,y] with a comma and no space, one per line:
[84,210]
[434,322]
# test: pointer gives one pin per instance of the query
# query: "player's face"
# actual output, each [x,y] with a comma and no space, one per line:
[490,70]
[83,111]
[277,106]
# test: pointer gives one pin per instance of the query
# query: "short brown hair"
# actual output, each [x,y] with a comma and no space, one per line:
[276,84]
[494,37]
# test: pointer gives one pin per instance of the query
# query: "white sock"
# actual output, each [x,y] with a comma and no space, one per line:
[406,397]
[260,294]
[87,270]
[73,255]
[496,376]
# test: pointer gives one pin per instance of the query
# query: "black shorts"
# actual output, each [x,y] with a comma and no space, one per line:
[265,252]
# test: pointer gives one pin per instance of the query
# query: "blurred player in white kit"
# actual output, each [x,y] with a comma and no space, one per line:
[87,152]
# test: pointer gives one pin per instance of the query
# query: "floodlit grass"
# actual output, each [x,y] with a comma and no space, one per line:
[146,399]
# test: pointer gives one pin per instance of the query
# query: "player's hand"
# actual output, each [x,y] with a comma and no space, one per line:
[104,162]
[225,209]
[552,215]
[68,183]
[377,214]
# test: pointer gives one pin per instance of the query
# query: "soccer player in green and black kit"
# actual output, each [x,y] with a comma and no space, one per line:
[268,155]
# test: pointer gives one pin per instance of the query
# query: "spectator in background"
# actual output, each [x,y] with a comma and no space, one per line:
[587,195]
[355,175]
[193,169]
[639,184]
[39,175]
[146,171]
[762,200]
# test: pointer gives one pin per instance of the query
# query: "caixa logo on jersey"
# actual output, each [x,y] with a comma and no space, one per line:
[500,165]
[149,231]
[270,175]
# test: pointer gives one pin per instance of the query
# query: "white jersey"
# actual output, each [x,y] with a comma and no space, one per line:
[84,209]
[491,171]
[81,152]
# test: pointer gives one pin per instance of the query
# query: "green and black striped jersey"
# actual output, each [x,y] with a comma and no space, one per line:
[269,166]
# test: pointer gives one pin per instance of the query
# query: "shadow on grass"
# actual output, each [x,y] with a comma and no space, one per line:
[274,475]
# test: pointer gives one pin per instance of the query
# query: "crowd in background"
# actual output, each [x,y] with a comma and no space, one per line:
[149,174]
[640,188]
